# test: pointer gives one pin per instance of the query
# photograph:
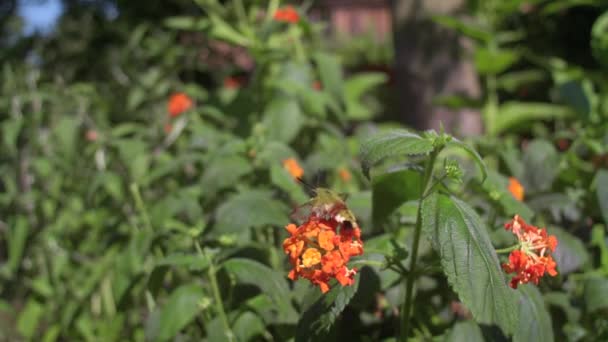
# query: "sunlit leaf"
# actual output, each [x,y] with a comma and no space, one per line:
[390,144]
[469,261]
[534,319]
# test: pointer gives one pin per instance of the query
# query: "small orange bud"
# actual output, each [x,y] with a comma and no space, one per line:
[294,169]
[287,14]
[344,174]
[179,103]
[516,189]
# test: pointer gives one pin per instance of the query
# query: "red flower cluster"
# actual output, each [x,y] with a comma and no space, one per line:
[319,250]
[179,103]
[287,14]
[531,261]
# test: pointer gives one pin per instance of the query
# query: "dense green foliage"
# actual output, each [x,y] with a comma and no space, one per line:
[121,222]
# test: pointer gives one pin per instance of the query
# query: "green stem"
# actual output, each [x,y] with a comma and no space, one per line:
[216,293]
[139,203]
[507,249]
[406,308]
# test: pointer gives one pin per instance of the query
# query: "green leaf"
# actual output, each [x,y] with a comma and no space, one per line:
[194,262]
[224,172]
[469,30]
[272,283]
[519,79]
[492,62]
[514,113]
[473,153]
[354,88]
[390,190]
[283,119]
[570,254]
[579,96]
[181,308]
[469,260]
[10,132]
[254,208]
[598,239]
[222,30]
[602,193]
[17,238]
[248,326]
[330,73]
[390,144]
[281,178]
[496,185]
[595,294]
[316,321]
[465,331]
[534,319]
[186,23]
[541,162]
[599,39]
[27,322]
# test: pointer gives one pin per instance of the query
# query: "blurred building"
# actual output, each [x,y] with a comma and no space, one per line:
[352,17]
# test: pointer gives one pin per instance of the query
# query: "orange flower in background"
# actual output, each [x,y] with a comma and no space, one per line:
[287,14]
[320,249]
[317,85]
[233,82]
[179,103]
[294,169]
[91,135]
[531,260]
[344,174]
[516,188]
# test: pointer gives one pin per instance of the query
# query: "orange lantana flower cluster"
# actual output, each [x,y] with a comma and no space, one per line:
[531,260]
[319,250]
[287,14]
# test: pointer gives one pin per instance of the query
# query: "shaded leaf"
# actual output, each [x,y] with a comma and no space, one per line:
[283,119]
[596,289]
[602,192]
[317,320]
[465,331]
[253,208]
[570,254]
[191,261]
[390,190]
[224,172]
[469,260]
[180,309]
[513,113]
[272,283]
[541,162]
[534,319]
[247,326]
[354,88]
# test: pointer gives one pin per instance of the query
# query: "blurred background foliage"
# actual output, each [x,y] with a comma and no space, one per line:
[116,219]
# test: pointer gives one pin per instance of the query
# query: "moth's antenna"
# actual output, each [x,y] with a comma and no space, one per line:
[303,182]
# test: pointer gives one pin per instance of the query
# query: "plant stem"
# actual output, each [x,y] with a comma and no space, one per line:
[139,203]
[507,249]
[406,307]
[216,293]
